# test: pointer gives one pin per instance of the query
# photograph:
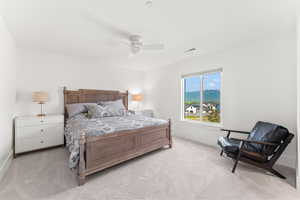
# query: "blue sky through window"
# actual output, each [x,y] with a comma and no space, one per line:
[212,81]
[192,84]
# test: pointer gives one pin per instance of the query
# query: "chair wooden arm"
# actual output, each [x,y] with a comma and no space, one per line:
[228,130]
[256,142]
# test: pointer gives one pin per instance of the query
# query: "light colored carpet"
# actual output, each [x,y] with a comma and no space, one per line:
[187,171]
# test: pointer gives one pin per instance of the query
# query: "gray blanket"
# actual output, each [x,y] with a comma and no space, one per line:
[101,126]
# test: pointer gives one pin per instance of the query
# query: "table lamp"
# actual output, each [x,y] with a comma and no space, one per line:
[138,98]
[41,98]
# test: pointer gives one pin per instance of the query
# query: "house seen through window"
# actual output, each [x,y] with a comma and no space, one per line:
[202,97]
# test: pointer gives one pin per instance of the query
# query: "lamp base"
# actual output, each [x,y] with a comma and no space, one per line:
[42,114]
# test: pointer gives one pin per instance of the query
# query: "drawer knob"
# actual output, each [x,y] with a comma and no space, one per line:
[42,141]
[42,130]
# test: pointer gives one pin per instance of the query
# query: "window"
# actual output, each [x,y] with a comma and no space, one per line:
[202,97]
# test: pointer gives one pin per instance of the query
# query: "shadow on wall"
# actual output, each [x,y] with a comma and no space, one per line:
[23,97]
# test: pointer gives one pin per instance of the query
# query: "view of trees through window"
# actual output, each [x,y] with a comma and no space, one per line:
[202,97]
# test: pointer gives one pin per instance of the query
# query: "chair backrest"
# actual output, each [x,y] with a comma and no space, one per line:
[281,148]
[267,132]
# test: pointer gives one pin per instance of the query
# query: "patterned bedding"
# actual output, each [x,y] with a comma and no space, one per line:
[101,126]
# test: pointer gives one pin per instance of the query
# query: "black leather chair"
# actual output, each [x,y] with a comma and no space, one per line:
[262,148]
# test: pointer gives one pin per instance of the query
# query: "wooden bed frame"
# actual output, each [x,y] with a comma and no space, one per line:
[101,152]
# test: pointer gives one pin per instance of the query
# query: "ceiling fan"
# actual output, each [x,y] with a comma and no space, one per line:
[134,41]
[136,44]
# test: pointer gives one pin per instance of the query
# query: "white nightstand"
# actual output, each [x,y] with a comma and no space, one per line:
[147,113]
[34,133]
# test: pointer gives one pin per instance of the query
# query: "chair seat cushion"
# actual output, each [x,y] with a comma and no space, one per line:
[229,145]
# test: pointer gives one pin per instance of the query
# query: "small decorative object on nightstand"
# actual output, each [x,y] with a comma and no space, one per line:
[34,133]
[41,98]
[146,112]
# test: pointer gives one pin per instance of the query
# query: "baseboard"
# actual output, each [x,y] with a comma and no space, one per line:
[5,165]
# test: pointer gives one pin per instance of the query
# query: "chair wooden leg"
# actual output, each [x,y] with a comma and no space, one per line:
[237,158]
[276,173]
[234,166]
[221,154]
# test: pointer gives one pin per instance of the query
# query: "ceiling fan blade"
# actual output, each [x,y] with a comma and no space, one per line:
[124,42]
[107,26]
[153,46]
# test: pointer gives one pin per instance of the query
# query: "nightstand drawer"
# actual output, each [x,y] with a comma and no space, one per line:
[36,121]
[47,130]
[29,144]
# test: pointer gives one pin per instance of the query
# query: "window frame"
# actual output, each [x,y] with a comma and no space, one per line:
[213,124]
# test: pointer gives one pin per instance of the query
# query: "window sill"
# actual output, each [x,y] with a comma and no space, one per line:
[215,125]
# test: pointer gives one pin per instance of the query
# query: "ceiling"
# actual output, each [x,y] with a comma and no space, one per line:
[63,26]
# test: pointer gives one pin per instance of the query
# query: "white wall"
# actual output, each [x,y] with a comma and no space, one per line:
[7,95]
[298,106]
[50,72]
[259,83]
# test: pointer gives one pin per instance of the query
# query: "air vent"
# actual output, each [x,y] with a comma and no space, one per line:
[190,50]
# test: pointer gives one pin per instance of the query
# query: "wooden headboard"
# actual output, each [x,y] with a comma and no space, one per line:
[92,96]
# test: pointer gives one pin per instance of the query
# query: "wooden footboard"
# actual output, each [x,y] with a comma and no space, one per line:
[100,152]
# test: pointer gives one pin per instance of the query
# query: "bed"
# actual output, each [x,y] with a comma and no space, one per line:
[97,152]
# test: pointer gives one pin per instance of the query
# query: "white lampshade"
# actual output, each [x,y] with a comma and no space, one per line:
[137,97]
[40,97]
